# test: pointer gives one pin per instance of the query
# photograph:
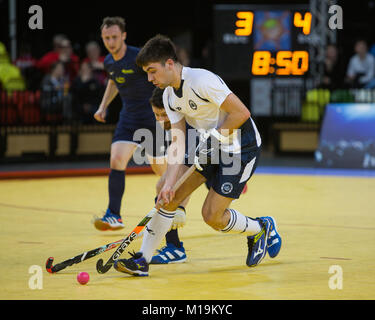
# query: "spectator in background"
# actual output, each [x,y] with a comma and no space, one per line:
[185,58]
[70,60]
[361,68]
[371,84]
[86,92]
[96,61]
[183,55]
[53,93]
[333,69]
[28,67]
[51,57]
[206,56]
[62,52]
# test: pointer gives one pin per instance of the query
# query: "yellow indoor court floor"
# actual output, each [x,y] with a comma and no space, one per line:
[327,224]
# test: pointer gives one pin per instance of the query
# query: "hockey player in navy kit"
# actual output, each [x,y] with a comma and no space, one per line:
[130,82]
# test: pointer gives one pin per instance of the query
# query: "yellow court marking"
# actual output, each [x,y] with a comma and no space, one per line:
[327,225]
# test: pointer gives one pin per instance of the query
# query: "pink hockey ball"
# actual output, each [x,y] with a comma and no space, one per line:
[83,277]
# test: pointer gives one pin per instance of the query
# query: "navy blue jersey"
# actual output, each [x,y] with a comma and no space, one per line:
[133,87]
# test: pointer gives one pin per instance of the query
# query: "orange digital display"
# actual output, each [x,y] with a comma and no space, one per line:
[284,62]
[262,40]
[304,23]
[294,63]
[261,63]
[244,23]
[245,20]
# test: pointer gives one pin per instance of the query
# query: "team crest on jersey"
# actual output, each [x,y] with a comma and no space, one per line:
[227,188]
[120,79]
[193,105]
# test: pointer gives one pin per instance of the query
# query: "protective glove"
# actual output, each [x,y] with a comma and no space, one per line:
[179,219]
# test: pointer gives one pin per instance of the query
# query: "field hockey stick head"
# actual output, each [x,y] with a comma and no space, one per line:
[49,266]
[100,268]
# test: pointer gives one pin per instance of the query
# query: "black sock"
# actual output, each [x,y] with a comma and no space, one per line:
[116,188]
[172,238]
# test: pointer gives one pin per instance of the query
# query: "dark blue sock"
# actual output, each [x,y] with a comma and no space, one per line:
[116,188]
[172,237]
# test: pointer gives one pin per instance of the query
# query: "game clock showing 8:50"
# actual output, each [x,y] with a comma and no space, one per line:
[264,40]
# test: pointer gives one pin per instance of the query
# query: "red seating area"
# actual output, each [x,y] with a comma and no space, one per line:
[20,108]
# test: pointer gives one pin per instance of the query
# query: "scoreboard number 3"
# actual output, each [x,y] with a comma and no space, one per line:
[244,23]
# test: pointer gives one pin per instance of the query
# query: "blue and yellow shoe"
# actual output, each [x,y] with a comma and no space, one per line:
[136,265]
[170,254]
[257,244]
[110,221]
[274,239]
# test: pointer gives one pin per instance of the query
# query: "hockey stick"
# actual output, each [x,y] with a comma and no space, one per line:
[139,228]
[88,254]
[79,258]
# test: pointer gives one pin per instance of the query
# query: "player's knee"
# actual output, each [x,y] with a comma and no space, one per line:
[118,162]
[211,217]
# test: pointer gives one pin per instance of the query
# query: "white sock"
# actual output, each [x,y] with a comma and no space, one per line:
[238,223]
[155,231]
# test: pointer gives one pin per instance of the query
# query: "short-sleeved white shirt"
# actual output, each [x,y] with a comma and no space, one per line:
[198,100]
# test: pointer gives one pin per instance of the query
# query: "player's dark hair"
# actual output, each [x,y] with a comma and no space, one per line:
[156,99]
[158,49]
[114,21]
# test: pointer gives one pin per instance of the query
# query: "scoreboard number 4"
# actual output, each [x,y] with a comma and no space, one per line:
[304,23]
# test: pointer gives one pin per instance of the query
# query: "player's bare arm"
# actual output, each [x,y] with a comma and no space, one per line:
[110,93]
[175,160]
[237,114]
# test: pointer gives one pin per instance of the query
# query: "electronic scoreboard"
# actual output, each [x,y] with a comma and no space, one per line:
[265,44]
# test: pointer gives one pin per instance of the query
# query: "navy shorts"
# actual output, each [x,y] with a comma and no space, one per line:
[227,184]
[150,137]
[229,175]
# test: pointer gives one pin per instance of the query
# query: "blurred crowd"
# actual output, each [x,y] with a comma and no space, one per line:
[69,84]
[71,87]
[359,72]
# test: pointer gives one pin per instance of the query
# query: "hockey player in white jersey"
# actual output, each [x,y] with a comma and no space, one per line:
[227,155]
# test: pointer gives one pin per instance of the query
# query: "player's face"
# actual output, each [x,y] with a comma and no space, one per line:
[113,38]
[162,117]
[159,74]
